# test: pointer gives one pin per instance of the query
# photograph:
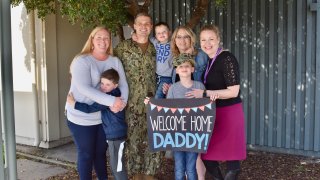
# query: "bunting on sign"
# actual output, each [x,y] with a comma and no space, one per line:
[181,110]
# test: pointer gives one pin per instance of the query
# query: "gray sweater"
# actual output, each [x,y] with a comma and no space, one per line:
[85,84]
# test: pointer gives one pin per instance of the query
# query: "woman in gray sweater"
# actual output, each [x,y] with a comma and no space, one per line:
[86,128]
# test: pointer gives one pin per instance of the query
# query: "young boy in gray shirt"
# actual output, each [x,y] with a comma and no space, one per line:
[184,64]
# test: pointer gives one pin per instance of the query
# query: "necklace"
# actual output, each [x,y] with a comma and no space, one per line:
[209,66]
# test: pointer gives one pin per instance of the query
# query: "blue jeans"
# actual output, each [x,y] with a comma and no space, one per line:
[160,81]
[91,147]
[201,64]
[185,163]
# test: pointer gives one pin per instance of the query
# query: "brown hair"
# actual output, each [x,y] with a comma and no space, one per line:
[174,49]
[213,28]
[161,24]
[142,14]
[111,75]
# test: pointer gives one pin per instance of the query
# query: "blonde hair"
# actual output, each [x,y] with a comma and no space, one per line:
[88,46]
[174,49]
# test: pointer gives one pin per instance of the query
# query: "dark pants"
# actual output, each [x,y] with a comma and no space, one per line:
[117,163]
[91,146]
[231,165]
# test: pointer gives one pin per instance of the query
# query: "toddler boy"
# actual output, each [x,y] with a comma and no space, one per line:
[164,57]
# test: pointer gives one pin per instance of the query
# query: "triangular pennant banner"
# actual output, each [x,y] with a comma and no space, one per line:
[208,105]
[173,110]
[195,109]
[187,109]
[159,108]
[152,106]
[165,109]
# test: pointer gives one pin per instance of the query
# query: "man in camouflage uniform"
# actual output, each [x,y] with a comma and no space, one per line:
[138,59]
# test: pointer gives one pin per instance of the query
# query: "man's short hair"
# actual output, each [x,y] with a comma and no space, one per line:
[142,14]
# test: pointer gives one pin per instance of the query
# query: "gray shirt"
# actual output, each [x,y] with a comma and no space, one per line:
[164,58]
[177,90]
[85,84]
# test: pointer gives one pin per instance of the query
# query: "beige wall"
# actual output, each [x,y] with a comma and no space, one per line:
[70,40]
[55,43]
[23,78]
[42,53]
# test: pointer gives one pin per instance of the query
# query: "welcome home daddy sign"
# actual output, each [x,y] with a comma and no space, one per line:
[180,124]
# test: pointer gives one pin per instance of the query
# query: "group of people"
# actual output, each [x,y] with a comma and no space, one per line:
[105,106]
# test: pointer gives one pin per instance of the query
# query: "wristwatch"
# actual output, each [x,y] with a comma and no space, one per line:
[204,93]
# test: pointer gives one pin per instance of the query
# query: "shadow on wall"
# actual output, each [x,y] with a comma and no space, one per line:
[26,37]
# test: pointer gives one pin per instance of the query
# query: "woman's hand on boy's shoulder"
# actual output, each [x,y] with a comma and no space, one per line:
[165,88]
[195,93]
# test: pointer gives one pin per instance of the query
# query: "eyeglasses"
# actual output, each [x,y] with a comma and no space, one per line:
[182,37]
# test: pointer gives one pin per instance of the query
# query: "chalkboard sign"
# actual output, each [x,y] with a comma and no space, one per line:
[180,124]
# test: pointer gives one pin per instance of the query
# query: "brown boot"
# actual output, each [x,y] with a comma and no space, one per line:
[137,177]
[148,177]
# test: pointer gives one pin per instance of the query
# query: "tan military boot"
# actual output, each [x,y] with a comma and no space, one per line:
[138,177]
[148,177]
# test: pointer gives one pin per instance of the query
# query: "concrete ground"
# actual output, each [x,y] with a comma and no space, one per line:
[38,163]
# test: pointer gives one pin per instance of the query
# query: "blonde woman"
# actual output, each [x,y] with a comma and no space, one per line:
[183,41]
[222,82]
[86,128]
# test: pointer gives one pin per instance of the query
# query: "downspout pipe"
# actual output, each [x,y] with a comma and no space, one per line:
[33,59]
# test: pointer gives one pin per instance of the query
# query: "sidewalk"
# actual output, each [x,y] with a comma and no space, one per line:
[38,163]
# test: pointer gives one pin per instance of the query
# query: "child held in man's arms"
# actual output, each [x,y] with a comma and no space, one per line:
[161,42]
[114,124]
[164,67]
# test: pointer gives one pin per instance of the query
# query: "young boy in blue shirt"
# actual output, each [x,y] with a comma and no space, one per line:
[114,124]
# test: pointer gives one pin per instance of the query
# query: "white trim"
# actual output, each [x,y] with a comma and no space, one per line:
[120,154]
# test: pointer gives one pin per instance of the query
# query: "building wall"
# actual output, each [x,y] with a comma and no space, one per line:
[42,53]
[275,42]
[278,51]
[23,77]
[62,42]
